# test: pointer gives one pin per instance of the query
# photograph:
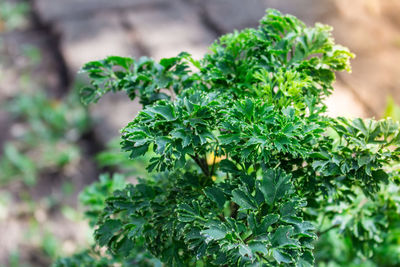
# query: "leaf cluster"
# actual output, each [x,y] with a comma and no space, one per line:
[249,171]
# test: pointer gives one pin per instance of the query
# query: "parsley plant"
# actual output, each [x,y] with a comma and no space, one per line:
[247,168]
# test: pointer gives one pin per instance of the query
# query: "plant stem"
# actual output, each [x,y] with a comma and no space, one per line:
[213,165]
[327,230]
[200,163]
[247,239]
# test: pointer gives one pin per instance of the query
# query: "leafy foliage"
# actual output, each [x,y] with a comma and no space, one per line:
[94,195]
[93,199]
[247,170]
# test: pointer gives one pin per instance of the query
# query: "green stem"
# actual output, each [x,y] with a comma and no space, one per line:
[327,230]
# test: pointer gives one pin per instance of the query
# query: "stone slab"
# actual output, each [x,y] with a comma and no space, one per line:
[93,38]
[375,78]
[390,9]
[56,10]
[111,114]
[345,103]
[228,15]
[26,61]
[167,32]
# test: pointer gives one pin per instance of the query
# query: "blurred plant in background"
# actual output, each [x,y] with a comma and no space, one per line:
[47,137]
[41,152]
[392,109]
[335,249]
[45,144]
[113,158]
[13,16]
[93,198]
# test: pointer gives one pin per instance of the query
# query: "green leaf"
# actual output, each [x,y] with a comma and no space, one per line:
[107,231]
[359,124]
[283,237]
[214,233]
[244,199]
[138,151]
[266,222]
[186,213]
[274,186]
[89,95]
[124,247]
[124,62]
[216,195]
[167,111]
[245,251]
[258,247]
[304,229]
[138,224]
[380,175]
[306,260]
[281,256]
[227,166]
[161,143]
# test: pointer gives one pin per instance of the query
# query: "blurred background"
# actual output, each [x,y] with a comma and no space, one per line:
[51,146]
